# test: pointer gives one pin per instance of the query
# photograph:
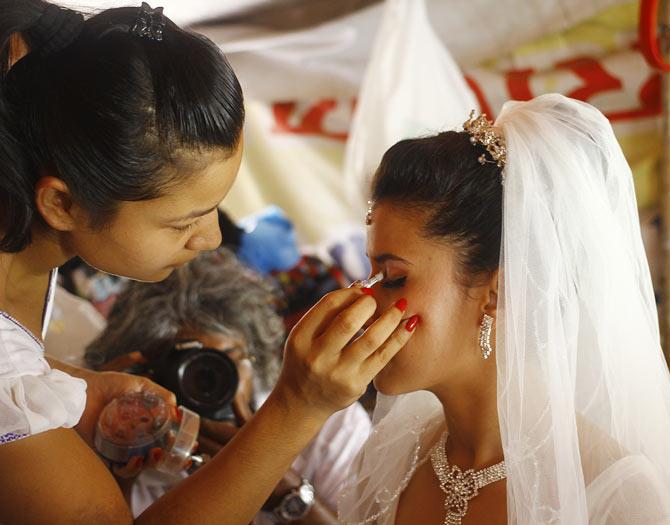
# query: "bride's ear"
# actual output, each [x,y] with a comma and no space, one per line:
[489,301]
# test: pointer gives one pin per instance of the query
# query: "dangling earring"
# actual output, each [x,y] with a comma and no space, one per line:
[485,336]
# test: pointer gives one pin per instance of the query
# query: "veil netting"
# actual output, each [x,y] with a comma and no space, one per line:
[583,389]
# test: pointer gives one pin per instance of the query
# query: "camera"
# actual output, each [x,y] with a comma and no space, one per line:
[203,379]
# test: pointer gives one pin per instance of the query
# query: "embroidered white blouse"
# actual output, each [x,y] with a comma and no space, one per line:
[33,396]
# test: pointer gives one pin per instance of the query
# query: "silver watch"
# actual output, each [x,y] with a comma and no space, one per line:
[296,504]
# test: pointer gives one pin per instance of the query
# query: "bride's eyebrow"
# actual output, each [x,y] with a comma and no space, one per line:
[385,257]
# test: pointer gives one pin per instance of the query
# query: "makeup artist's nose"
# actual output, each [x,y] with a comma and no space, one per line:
[208,235]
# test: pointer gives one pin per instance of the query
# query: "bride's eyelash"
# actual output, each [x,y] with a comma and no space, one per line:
[396,283]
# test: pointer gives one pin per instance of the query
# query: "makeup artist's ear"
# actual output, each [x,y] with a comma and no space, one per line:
[54,202]
[489,299]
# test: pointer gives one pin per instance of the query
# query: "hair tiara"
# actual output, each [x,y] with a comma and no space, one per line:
[482,131]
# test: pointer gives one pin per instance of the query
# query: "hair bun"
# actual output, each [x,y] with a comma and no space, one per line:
[55,29]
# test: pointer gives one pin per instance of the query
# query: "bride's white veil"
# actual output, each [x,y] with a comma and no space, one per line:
[583,389]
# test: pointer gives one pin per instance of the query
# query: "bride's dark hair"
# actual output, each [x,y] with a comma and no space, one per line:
[441,176]
[109,112]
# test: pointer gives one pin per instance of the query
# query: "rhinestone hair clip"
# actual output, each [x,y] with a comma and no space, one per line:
[368,215]
[149,23]
[483,132]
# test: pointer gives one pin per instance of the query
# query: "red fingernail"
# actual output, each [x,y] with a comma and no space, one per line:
[412,322]
[157,455]
[368,291]
[401,304]
[139,460]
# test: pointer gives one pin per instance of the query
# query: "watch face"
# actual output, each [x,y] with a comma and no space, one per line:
[295,506]
[297,503]
[306,493]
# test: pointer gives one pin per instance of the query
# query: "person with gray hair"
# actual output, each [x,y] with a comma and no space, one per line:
[220,304]
[213,294]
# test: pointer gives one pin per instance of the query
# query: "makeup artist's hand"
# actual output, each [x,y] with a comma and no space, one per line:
[325,365]
[126,475]
[103,387]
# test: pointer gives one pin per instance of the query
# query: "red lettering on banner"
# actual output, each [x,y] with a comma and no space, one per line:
[479,94]
[299,119]
[518,84]
[650,101]
[596,78]
[311,123]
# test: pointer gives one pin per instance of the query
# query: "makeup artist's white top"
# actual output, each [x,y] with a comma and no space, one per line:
[33,396]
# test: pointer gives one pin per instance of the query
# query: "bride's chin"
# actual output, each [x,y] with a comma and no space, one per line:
[386,385]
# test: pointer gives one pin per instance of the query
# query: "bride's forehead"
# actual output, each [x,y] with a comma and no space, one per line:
[402,232]
[398,212]
[393,221]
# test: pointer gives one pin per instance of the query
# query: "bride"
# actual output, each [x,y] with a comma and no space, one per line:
[536,390]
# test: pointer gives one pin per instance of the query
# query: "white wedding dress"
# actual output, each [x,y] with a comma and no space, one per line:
[583,388]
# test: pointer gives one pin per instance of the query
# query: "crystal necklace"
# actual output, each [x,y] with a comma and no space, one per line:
[460,487]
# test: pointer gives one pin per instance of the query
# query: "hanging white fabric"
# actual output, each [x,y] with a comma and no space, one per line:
[412,87]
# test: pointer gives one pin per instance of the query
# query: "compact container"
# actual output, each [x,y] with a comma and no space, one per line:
[133,424]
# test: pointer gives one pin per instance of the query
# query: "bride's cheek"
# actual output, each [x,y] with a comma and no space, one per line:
[403,373]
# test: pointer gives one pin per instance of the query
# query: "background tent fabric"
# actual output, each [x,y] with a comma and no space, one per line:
[595,60]
[393,105]
[302,63]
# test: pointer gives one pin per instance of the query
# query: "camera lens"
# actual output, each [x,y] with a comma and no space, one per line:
[207,380]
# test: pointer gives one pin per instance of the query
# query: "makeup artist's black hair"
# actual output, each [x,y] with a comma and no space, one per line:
[108,112]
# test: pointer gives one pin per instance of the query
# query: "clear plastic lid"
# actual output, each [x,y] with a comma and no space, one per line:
[184,442]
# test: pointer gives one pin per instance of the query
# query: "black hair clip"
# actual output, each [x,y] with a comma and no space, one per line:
[150,23]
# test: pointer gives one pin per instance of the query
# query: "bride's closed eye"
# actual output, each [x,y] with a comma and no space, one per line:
[395,283]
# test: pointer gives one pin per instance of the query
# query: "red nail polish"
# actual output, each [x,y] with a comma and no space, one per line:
[138,461]
[412,322]
[368,291]
[157,455]
[177,415]
[401,304]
